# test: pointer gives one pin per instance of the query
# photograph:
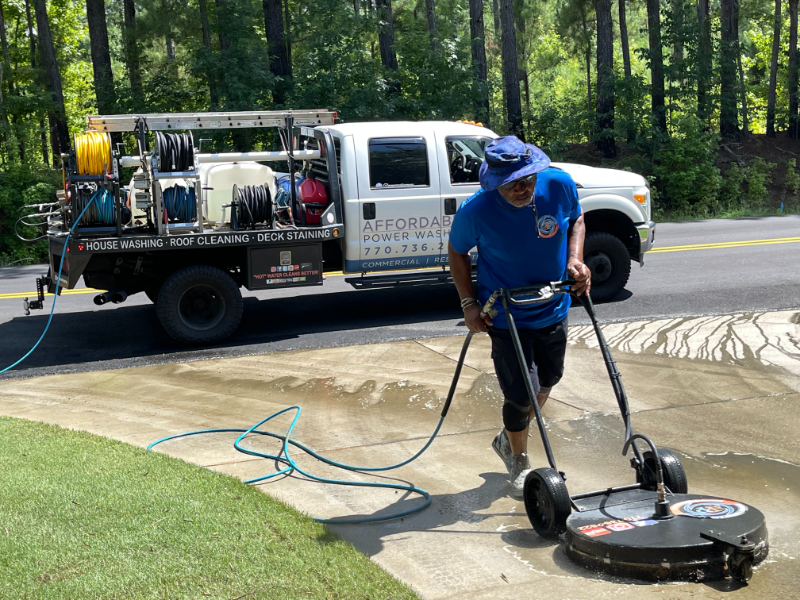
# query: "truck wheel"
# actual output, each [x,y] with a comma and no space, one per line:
[610,264]
[199,305]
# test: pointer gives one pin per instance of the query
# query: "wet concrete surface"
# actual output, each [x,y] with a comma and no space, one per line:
[722,392]
[751,276]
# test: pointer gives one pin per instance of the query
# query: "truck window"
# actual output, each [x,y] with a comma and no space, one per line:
[465,156]
[398,162]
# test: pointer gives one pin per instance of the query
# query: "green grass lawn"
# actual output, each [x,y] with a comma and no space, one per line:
[86,517]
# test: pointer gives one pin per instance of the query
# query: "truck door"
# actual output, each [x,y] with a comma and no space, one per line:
[400,222]
[460,160]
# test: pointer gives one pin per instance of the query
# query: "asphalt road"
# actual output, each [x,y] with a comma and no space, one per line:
[748,264]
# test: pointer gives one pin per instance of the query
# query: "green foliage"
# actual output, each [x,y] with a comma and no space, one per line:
[731,193]
[758,178]
[686,177]
[20,184]
[791,182]
[746,188]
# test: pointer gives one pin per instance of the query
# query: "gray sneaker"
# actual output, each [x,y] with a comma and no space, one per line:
[502,446]
[520,469]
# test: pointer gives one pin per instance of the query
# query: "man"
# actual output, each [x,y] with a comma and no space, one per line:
[528,227]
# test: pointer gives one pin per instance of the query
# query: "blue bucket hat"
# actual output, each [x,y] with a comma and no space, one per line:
[509,158]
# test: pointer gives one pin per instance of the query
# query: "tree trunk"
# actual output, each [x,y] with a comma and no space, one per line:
[743,92]
[729,50]
[677,47]
[386,39]
[101,56]
[6,127]
[222,17]
[705,65]
[3,40]
[792,87]
[496,20]
[58,116]
[773,70]
[31,39]
[430,12]
[623,38]
[278,59]
[131,43]
[476,35]
[287,23]
[656,65]
[510,70]
[206,30]
[32,47]
[355,7]
[588,80]
[604,118]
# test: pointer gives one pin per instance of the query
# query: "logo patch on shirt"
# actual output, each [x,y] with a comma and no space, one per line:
[548,226]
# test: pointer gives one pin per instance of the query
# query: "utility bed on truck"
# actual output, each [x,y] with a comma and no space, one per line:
[184,242]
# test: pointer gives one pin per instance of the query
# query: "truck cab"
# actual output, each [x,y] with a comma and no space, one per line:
[404,181]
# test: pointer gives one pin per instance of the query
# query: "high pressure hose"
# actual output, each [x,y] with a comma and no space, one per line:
[180,203]
[175,152]
[93,153]
[253,205]
[283,457]
[94,204]
[55,294]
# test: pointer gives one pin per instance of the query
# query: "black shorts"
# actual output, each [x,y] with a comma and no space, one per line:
[544,351]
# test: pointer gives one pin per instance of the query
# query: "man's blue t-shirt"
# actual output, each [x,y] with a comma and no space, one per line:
[509,253]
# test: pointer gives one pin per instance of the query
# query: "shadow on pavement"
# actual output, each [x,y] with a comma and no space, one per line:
[134,331]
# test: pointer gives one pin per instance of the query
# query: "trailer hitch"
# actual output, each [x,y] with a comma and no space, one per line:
[38,304]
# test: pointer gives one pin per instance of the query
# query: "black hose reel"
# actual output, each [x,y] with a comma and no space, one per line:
[251,205]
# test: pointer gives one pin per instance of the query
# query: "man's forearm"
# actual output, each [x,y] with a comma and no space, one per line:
[461,272]
[577,233]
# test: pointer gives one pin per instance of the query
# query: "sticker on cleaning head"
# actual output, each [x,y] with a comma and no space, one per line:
[619,526]
[595,531]
[548,226]
[709,508]
[645,522]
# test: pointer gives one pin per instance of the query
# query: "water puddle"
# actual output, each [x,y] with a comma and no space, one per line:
[749,339]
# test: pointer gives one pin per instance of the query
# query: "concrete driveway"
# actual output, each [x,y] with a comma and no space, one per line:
[721,391]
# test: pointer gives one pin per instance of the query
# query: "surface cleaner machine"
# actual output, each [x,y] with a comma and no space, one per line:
[652,529]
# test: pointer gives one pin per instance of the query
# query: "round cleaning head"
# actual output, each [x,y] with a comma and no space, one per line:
[702,538]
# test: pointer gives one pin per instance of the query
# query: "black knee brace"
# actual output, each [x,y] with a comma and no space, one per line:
[516,417]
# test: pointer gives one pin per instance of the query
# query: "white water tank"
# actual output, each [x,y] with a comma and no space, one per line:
[218,180]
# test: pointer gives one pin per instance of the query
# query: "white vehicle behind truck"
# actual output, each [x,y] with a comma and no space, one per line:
[376,201]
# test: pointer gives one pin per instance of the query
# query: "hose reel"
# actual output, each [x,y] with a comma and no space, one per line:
[251,205]
[175,152]
[93,153]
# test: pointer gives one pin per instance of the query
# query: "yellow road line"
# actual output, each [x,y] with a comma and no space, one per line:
[715,246]
[767,242]
[32,295]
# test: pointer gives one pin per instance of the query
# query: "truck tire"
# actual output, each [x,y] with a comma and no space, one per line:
[199,305]
[610,264]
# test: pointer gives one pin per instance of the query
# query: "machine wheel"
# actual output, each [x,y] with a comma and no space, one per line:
[610,264]
[740,566]
[199,305]
[671,467]
[547,502]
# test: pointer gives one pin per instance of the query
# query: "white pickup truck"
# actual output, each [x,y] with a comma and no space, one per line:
[390,192]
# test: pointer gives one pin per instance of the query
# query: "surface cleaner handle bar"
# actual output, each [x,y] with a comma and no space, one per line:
[530,295]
